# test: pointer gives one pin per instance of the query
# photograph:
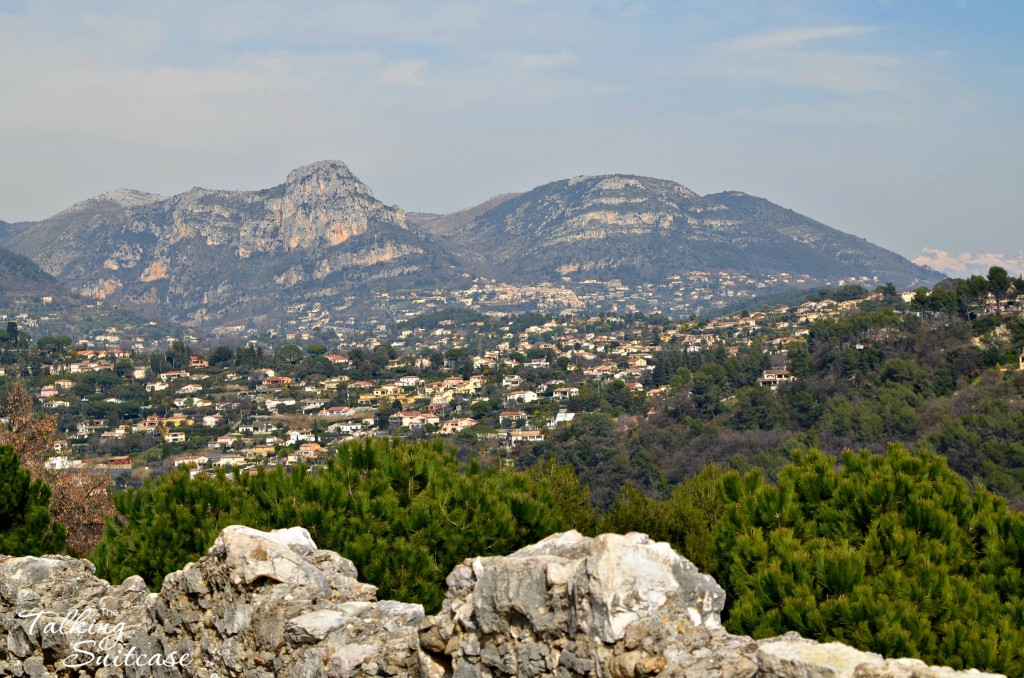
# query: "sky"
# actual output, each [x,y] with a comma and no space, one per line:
[898,121]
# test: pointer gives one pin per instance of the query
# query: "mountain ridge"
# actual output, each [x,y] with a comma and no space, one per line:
[966,264]
[577,225]
[208,256]
[205,253]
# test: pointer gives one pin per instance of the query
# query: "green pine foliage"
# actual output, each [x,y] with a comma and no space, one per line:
[686,519]
[404,513]
[891,553]
[572,498]
[25,525]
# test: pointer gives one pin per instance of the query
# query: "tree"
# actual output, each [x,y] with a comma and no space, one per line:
[26,528]
[686,519]
[289,353]
[51,345]
[571,497]
[178,356]
[892,553]
[222,355]
[78,498]
[404,513]
[888,291]
[633,511]
[999,283]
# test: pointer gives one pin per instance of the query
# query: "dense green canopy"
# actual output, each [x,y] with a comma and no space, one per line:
[893,553]
[404,513]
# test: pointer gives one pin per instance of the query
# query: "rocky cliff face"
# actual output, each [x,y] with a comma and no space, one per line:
[640,230]
[272,604]
[205,255]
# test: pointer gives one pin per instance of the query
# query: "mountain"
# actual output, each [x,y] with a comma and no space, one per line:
[641,230]
[208,256]
[444,224]
[20,275]
[7,229]
[967,264]
[217,258]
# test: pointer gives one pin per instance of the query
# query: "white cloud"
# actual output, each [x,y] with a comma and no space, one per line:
[403,73]
[788,58]
[796,37]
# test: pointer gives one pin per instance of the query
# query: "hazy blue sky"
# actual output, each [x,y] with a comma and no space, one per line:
[899,121]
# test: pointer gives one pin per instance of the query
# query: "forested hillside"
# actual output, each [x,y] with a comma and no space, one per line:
[20,274]
[861,382]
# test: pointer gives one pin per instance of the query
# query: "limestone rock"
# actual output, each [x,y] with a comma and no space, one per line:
[258,604]
[265,604]
[570,604]
[796,657]
[812,660]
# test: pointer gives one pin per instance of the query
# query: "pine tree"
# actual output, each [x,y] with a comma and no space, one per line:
[26,528]
[404,513]
[891,553]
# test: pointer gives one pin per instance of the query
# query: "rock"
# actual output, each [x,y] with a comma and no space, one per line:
[313,627]
[19,573]
[800,658]
[805,659]
[577,587]
[258,604]
[251,555]
[34,666]
[263,604]
[295,538]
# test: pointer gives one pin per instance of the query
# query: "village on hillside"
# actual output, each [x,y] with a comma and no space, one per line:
[491,384]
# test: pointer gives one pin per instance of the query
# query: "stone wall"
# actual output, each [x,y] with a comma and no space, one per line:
[272,604]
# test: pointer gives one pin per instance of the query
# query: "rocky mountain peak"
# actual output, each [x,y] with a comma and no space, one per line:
[206,254]
[324,180]
[631,184]
[325,202]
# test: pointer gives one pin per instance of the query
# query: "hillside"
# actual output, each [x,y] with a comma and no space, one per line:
[206,256]
[224,259]
[7,229]
[640,230]
[19,275]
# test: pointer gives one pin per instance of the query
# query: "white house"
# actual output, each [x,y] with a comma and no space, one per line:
[521,397]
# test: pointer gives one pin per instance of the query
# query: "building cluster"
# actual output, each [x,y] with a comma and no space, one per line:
[498,386]
[492,384]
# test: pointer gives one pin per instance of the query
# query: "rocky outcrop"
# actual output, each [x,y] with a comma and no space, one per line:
[272,604]
[258,604]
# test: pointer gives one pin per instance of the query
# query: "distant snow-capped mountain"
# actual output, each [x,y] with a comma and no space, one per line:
[967,264]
